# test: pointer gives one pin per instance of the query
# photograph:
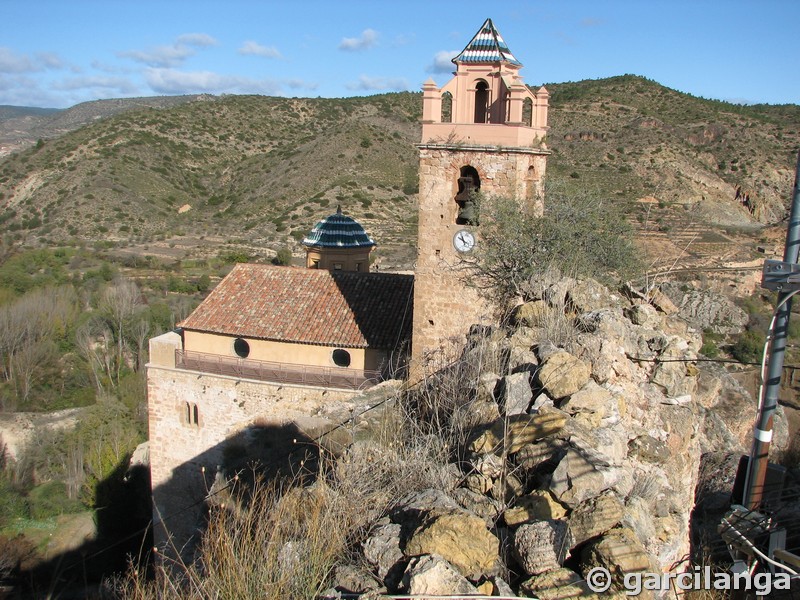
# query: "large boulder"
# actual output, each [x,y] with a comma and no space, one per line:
[517,431]
[675,377]
[479,504]
[382,548]
[432,575]
[516,393]
[576,479]
[540,454]
[645,315]
[562,374]
[539,505]
[530,313]
[541,546]
[590,403]
[618,551]
[595,517]
[461,538]
[558,584]
[587,295]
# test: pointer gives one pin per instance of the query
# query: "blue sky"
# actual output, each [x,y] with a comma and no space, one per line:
[57,53]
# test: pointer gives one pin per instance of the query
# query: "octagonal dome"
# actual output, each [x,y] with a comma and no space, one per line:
[338,231]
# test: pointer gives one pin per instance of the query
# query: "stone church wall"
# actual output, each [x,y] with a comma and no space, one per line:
[193,415]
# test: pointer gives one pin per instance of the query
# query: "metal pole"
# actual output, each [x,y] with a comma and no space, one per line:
[762,434]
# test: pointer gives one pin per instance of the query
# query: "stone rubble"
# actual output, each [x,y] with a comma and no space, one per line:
[583,453]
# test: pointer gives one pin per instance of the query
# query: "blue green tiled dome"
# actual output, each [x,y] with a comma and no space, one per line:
[338,231]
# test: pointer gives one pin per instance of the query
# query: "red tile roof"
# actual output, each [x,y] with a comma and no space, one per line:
[309,306]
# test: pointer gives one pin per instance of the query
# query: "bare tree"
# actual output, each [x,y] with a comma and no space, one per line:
[140,332]
[95,342]
[39,315]
[29,365]
[119,302]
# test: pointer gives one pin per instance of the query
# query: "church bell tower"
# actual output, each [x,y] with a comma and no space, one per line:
[482,132]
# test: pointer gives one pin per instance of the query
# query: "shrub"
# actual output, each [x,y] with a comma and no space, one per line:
[749,346]
[579,234]
[12,502]
[283,257]
[50,500]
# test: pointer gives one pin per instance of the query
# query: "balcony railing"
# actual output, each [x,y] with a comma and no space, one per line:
[261,370]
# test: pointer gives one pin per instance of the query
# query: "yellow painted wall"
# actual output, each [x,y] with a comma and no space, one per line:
[350,259]
[283,352]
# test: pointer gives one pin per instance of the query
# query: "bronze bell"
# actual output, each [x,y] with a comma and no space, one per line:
[466,185]
[467,209]
[467,214]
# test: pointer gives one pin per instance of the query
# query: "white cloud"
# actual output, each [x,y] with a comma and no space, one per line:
[368,39]
[50,60]
[161,56]
[299,84]
[19,90]
[256,49]
[112,85]
[172,81]
[171,55]
[442,62]
[111,68]
[367,83]
[11,62]
[201,40]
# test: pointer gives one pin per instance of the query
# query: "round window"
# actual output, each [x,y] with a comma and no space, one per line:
[241,348]
[341,358]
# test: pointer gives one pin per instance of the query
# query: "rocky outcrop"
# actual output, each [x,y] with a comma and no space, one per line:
[582,451]
[705,309]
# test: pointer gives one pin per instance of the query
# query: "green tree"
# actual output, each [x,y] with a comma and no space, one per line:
[283,257]
[579,234]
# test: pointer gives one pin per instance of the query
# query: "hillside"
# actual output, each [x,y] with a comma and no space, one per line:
[257,172]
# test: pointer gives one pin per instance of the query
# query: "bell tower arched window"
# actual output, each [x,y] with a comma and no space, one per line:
[469,184]
[527,112]
[447,107]
[482,101]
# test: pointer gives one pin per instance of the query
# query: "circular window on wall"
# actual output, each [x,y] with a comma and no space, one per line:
[341,358]
[241,348]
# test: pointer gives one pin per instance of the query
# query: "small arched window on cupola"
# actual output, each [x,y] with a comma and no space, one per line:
[482,101]
[469,184]
[447,107]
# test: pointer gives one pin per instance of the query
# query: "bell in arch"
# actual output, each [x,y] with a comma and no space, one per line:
[467,200]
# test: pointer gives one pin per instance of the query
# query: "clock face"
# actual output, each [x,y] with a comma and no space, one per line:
[463,241]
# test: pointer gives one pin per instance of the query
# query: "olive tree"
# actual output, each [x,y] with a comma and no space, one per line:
[579,234]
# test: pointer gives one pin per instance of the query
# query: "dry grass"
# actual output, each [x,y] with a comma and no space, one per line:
[283,544]
[283,539]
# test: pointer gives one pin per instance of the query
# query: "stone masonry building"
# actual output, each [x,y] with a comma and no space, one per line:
[273,346]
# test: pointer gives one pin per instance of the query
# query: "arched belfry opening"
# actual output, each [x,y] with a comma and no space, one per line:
[447,107]
[482,101]
[469,184]
[527,112]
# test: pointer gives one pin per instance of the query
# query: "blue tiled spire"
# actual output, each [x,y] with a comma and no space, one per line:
[338,231]
[487,46]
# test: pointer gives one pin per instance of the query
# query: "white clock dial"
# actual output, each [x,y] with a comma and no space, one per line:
[463,241]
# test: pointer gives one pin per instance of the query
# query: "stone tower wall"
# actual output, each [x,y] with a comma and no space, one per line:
[445,305]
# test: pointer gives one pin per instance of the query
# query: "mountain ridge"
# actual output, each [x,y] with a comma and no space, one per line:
[259,171]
